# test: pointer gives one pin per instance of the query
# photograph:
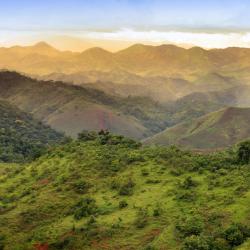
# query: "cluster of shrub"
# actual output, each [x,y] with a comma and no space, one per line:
[194,233]
[105,137]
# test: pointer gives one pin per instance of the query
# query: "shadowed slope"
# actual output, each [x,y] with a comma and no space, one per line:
[72,108]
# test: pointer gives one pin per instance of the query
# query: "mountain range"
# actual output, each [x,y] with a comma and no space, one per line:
[137,92]
[144,60]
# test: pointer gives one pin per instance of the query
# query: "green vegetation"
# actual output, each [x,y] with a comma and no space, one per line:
[21,137]
[244,152]
[104,191]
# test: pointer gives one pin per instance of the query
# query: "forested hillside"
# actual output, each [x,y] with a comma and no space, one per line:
[21,136]
[107,192]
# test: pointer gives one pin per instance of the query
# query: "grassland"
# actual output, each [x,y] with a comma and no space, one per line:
[108,192]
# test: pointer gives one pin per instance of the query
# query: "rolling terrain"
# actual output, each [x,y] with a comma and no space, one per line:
[108,192]
[216,130]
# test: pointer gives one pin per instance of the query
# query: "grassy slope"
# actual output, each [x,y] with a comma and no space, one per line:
[213,131]
[21,134]
[38,201]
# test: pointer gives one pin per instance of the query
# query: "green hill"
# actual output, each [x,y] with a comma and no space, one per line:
[216,130]
[107,192]
[21,136]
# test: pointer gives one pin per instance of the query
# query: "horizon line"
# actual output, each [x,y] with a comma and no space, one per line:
[45,43]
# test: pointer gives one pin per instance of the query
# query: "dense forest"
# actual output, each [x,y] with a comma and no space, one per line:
[23,138]
[103,191]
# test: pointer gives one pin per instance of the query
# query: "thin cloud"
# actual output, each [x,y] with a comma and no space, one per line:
[110,39]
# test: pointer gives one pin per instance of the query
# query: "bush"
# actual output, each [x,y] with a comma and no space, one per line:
[186,195]
[91,220]
[2,238]
[196,243]
[190,226]
[236,234]
[189,183]
[243,152]
[142,218]
[149,248]
[81,186]
[85,208]
[153,181]
[123,204]
[144,172]
[87,136]
[156,212]
[127,188]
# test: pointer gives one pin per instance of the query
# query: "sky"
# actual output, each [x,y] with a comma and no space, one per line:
[114,24]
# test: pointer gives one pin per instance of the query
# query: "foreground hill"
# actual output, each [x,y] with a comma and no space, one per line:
[21,136]
[213,131]
[107,192]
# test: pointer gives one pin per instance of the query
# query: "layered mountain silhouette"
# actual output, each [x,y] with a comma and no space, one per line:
[144,60]
[137,92]
[123,83]
[71,108]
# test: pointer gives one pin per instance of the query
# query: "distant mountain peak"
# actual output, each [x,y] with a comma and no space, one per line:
[43,45]
[96,50]
[197,48]
[142,48]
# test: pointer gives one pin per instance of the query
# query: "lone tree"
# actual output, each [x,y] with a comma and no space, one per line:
[244,152]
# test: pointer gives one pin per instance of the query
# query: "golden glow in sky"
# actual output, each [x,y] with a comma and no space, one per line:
[117,40]
[115,24]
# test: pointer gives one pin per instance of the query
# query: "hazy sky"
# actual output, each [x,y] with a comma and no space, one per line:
[76,24]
